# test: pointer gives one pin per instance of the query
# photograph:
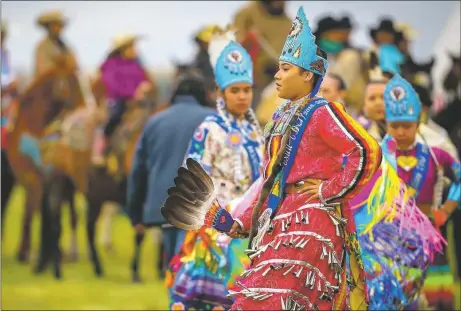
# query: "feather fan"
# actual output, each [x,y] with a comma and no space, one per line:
[192,203]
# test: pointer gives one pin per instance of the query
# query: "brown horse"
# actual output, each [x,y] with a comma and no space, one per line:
[102,183]
[108,183]
[48,97]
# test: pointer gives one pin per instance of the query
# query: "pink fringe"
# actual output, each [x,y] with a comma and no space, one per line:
[411,218]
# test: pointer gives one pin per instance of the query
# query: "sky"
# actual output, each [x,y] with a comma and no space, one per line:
[170,25]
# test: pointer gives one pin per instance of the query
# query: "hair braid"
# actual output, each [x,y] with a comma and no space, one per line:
[269,182]
[267,186]
[251,118]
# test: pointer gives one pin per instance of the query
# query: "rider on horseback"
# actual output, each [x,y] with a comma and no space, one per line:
[52,52]
[124,79]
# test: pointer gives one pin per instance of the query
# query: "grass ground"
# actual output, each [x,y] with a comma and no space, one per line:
[79,289]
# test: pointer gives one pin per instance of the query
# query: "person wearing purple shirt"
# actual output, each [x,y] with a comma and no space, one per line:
[423,169]
[124,77]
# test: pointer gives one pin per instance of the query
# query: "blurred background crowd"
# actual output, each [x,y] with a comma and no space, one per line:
[68,64]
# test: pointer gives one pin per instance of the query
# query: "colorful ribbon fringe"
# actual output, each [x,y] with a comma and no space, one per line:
[397,240]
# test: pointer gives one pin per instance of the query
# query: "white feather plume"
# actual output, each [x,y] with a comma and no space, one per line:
[376,74]
[219,40]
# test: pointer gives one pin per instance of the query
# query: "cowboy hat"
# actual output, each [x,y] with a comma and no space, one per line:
[206,33]
[55,16]
[325,24]
[328,23]
[123,40]
[345,23]
[386,25]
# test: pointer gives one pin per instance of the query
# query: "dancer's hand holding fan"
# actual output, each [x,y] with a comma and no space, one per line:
[192,203]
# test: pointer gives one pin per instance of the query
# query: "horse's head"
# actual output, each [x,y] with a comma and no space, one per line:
[418,73]
[452,81]
[48,95]
[455,59]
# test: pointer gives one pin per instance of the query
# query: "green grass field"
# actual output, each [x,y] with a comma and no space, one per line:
[79,289]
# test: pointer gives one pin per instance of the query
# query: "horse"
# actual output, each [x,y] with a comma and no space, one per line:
[103,187]
[98,184]
[103,183]
[448,117]
[46,98]
[418,73]
[109,183]
[452,81]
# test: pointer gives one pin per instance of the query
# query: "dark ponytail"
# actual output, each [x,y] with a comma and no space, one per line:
[195,85]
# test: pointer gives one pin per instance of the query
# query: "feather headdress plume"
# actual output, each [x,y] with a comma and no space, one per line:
[375,74]
[220,38]
[231,62]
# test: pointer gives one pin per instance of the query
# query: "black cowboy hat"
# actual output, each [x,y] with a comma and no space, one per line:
[386,25]
[329,23]
[345,23]
[325,24]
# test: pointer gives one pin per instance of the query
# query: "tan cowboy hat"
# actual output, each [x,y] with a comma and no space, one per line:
[123,40]
[55,16]
[206,33]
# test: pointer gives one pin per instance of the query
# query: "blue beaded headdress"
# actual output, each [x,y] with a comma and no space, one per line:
[401,101]
[300,48]
[231,62]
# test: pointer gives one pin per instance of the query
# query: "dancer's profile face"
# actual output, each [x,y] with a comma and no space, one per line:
[292,82]
[403,132]
[238,98]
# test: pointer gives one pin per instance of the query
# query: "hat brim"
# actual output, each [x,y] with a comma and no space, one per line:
[126,43]
[322,31]
[374,31]
[346,27]
[205,35]
[45,23]
[410,119]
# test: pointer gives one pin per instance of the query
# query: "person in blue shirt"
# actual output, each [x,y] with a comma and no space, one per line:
[160,152]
